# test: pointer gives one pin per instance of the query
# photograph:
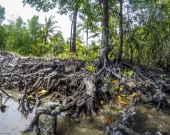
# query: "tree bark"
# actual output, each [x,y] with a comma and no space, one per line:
[105,33]
[73,45]
[71,33]
[45,37]
[119,55]
[87,36]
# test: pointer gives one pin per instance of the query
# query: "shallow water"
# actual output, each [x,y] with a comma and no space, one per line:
[13,122]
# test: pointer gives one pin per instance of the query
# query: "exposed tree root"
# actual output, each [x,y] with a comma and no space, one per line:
[5,93]
[84,92]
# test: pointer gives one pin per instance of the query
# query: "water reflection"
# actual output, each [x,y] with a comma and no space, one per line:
[2,104]
[3,108]
[11,119]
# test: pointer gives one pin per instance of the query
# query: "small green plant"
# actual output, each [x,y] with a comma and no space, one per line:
[91,68]
[162,76]
[128,73]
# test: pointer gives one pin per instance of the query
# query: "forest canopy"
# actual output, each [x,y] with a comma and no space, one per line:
[138,31]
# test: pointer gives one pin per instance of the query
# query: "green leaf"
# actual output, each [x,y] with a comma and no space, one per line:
[162,76]
[128,73]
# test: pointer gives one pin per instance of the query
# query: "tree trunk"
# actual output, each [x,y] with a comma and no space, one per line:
[131,52]
[105,33]
[45,38]
[73,45]
[119,55]
[71,33]
[87,37]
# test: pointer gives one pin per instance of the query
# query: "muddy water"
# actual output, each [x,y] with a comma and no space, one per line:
[12,121]
[146,118]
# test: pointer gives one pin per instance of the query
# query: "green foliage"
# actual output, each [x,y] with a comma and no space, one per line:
[18,39]
[48,28]
[128,73]
[83,53]
[91,68]
[39,50]
[162,76]
[147,39]
[146,31]
[44,5]
[3,37]
[34,28]
[66,52]
[57,44]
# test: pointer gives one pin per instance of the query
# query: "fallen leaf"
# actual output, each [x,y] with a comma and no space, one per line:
[120,111]
[31,101]
[42,92]
[110,119]
[131,84]
[72,98]
[123,102]
[119,97]
[123,95]
[121,87]
[27,90]
[146,85]
[115,81]
[133,94]
[67,69]
[30,96]
[101,102]
[37,90]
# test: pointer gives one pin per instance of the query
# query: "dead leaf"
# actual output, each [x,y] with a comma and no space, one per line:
[146,85]
[115,81]
[120,111]
[123,102]
[31,101]
[42,92]
[37,90]
[101,102]
[131,84]
[110,119]
[67,69]
[72,98]
[30,96]
[121,87]
[123,95]
[119,97]
[40,95]
[27,91]
[133,94]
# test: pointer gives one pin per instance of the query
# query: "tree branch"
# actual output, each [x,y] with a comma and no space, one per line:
[115,11]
